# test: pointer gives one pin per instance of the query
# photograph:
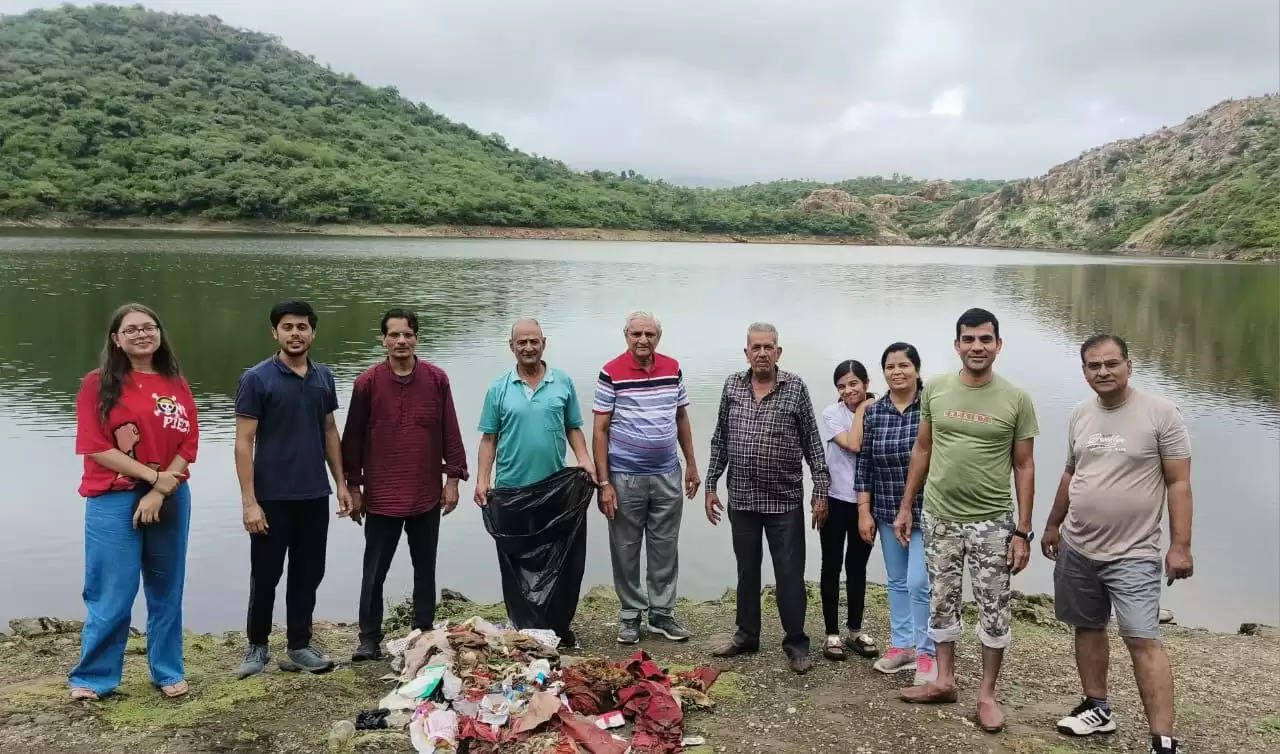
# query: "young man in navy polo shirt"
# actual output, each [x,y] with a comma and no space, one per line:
[285,433]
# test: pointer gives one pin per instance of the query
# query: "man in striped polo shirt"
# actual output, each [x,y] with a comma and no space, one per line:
[641,415]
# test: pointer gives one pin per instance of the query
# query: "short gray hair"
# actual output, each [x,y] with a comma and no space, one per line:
[764,327]
[641,314]
[525,321]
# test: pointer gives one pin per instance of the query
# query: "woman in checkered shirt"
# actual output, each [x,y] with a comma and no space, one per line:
[888,434]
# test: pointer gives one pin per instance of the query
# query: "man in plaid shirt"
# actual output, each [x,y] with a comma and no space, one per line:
[765,426]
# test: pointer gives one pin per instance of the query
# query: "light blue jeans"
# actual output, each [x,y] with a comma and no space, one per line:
[115,554]
[907,581]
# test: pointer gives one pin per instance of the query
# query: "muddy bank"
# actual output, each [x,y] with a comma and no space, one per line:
[1228,698]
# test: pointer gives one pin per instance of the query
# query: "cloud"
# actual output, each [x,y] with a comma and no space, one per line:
[731,91]
[949,103]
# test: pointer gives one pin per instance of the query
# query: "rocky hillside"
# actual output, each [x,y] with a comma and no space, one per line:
[1211,184]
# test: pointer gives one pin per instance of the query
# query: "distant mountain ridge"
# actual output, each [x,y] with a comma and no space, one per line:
[110,112]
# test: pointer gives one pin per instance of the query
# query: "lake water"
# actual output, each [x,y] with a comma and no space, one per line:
[1205,335]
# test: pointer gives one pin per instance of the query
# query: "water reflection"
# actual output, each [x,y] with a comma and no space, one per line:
[1217,327]
[1201,334]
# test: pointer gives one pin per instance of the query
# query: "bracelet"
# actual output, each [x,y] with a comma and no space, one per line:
[157,479]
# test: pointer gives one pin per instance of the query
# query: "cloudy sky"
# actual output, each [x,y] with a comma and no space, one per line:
[732,91]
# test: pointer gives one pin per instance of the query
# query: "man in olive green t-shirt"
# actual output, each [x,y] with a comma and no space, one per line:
[976,429]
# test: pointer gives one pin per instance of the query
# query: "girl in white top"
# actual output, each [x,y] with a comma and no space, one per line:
[841,546]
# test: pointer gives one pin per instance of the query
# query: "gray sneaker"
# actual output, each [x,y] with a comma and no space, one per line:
[668,626]
[255,661]
[309,659]
[628,630]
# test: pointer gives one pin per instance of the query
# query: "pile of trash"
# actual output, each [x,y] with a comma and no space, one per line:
[475,687]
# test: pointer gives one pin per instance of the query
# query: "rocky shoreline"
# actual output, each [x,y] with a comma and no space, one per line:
[1227,695]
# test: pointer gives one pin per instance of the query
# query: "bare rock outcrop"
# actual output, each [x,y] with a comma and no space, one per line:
[891,203]
[831,200]
[935,190]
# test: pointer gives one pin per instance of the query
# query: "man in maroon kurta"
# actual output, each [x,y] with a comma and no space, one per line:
[401,436]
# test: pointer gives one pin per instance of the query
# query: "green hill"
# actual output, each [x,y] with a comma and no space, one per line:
[112,112]
[109,112]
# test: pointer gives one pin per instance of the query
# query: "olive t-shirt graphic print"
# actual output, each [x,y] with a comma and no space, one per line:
[974,429]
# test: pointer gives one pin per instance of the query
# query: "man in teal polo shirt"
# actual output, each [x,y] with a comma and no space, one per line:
[530,415]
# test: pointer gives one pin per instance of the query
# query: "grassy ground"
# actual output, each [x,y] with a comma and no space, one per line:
[1227,695]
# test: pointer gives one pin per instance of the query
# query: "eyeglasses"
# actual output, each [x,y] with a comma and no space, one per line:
[133,331]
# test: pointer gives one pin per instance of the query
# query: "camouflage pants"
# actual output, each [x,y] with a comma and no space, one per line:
[984,545]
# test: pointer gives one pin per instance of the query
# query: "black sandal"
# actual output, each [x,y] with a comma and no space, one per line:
[862,645]
[832,649]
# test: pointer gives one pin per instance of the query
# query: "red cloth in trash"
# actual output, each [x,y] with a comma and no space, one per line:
[640,666]
[469,727]
[584,731]
[699,678]
[659,723]
[581,697]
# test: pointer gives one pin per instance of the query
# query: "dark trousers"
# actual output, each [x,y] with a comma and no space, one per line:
[842,526]
[381,538]
[785,534]
[300,530]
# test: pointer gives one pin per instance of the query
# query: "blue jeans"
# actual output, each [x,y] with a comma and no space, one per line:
[115,554]
[908,584]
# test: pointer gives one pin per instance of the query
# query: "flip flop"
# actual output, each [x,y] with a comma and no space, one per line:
[175,690]
[82,694]
[833,650]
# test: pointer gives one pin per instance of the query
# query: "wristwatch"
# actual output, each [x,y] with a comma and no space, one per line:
[1027,535]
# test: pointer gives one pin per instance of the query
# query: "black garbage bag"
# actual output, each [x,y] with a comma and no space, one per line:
[541,534]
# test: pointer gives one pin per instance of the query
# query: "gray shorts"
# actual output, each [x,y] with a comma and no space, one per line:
[1086,590]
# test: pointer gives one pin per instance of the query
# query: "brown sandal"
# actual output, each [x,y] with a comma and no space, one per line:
[862,645]
[833,649]
[175,690]
[82,694]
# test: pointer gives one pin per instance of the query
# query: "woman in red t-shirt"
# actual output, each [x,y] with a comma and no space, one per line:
[136,428]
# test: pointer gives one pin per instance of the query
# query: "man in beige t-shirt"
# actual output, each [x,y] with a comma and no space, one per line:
[1128,456]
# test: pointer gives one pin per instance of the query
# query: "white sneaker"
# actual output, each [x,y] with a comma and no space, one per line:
[1087,719]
